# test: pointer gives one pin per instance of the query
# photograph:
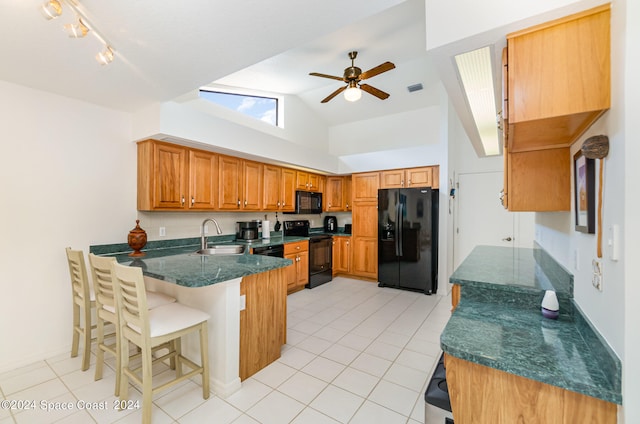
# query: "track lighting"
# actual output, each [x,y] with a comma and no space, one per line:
[105,57]
[353,93]
[77,30]
[51,9]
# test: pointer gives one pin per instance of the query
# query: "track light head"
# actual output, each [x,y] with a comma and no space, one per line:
[105,57]
[51,9]
[77,30]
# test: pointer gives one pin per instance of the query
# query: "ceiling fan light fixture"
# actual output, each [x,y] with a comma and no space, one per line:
[353,93]
[51,9]
[77,30]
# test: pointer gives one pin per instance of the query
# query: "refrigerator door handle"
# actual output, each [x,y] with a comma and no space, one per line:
[399,228]
[395,229]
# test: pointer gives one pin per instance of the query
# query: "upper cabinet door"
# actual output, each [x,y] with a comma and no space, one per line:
[162,176]
[392,179]
[419,177]
[251,186]
[559,79]
[333,195]
[271,176]
[288,190]
[203,180]
[229,182]
[365,187]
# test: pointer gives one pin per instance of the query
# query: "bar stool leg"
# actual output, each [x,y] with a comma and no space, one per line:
[204,358]
[147,388]
[76,334]
[86,353]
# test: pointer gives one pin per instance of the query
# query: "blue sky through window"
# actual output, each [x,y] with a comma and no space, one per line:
[262,108]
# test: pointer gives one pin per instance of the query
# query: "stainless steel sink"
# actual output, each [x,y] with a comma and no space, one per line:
[223,249]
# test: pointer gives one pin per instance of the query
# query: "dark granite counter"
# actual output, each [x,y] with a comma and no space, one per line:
[498,324]
[175,261]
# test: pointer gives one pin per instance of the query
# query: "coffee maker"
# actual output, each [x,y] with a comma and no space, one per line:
[247,230]
[330,224]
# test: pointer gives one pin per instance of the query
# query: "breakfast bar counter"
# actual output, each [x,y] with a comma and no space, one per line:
[244,294]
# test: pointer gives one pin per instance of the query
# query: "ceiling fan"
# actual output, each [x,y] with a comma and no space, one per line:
[352,76]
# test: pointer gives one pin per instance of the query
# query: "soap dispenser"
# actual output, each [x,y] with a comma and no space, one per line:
[550,307]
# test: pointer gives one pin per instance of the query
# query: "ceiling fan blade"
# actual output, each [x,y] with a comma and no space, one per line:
[386,66]
[334,94]
[372,90]
[315,74]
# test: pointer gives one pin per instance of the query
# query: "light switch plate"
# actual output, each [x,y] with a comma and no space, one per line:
[243,302]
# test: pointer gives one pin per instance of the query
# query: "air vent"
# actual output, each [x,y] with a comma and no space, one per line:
[415,87]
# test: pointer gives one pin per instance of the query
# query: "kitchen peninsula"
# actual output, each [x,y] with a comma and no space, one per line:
[244,294]
[506,362]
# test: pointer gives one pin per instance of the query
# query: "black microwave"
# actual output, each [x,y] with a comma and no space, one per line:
[308,202]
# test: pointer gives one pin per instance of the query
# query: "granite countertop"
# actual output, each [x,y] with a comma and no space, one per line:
[174,260]
[498,324]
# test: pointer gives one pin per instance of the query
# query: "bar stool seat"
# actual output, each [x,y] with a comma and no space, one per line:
[150,328]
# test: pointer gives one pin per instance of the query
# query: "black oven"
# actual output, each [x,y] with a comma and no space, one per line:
[320,251]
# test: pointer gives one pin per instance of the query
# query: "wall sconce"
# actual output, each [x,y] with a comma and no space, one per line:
[52,9]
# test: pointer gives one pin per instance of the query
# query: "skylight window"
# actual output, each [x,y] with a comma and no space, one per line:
[262,108]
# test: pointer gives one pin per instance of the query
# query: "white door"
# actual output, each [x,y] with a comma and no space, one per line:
[481,219]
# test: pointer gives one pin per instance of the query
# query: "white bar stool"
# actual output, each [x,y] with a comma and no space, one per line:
[149,328]
[106,311]
[83,302]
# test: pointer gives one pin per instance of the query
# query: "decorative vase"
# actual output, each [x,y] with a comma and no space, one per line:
[137,240]
[550,307]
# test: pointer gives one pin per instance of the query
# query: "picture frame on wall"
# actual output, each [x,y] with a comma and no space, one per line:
[584,180]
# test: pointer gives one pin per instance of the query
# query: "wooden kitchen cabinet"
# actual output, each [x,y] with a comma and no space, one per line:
[252,185]
[558,80]
[230,188]
[411,177]
[341,255]
[508,398]
[173,177]
[298,272]
[337,194]
[538,180]
[271,177]
[263,321]
[308,181]
[279,188]
[364,239]
[240,184]
[365,187]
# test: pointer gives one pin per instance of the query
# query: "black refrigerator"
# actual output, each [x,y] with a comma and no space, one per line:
[408,239]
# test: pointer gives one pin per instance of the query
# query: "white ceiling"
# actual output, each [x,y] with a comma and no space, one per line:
[166,49]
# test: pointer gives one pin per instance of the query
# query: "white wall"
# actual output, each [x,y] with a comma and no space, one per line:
[627,13]
[302,142]
[68,172]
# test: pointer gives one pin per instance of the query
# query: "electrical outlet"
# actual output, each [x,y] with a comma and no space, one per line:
[576,260]
[163,232]
[598,275]
[243,302]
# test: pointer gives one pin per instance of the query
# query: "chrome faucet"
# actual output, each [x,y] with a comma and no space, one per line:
[203,238]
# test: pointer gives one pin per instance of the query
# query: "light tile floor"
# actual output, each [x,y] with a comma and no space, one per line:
[355,353]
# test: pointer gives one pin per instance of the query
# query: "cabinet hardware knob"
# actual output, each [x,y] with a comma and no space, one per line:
[238,202]
[507,239]
[193,201]
[182,201]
